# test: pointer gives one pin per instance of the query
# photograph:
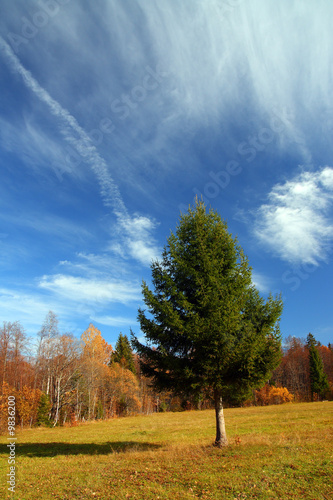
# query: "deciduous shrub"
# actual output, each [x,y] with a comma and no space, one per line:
[270,395]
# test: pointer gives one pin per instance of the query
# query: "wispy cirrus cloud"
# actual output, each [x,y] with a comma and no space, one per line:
[296,224]
[135,239]
[72,132]
[91,265]
[143,247]
[36,147]
[30,308]
[82,290]
[236,56]
[261,282]
[51,225]
[118,321]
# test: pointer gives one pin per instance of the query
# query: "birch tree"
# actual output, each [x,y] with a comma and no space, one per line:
[13,342]
[63,370]
[6,337]
[48,332]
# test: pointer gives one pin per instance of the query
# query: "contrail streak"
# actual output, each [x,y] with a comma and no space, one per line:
[109,191]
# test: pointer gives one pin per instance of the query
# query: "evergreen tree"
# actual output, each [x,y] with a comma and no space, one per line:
[318,378]
[311,341]
[123,353]
[207,327]
[43,411]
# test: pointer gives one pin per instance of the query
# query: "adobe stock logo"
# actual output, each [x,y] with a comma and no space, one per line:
[121,108]
[297,274]
[30,27]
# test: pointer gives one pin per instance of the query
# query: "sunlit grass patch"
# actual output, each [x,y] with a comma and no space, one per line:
[281,452]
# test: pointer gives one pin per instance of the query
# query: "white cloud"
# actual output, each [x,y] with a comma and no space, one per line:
[72,132]
[118,321]
[226,56]
[85,290]
[98,266]
[137,229]
[261,282]
[222,57]
[295,223]
[30,308]
[138,239]
[326,178]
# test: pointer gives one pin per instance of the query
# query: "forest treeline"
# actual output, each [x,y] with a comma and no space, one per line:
[69,380]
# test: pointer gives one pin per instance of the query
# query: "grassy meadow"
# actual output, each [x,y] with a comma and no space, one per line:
[276,452]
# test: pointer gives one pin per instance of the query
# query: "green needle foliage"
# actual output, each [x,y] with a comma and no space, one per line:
[318,378]
[123,353]
[43,411]
[206,327]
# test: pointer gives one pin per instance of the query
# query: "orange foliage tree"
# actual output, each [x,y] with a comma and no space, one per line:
[124,390]
[94,368]
[26,403]
[27,400]
[270,395]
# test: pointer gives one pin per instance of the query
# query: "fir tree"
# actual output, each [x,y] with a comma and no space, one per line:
[318,378]
[123,353]
[207,328]
[43,411]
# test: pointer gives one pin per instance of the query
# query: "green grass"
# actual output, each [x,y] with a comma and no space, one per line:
[283,452]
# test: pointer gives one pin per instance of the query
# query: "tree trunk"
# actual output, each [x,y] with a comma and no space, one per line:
[48,383]
[221,436]
[58,403]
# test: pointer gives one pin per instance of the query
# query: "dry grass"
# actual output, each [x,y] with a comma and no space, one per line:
[277,452]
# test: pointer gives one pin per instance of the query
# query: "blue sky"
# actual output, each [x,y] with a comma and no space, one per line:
[115,114]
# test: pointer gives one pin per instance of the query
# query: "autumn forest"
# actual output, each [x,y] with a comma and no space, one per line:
[67,380]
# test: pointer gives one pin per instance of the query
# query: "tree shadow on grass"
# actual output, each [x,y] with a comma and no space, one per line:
[53,449]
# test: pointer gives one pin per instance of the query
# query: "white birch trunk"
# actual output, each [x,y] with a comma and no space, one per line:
[221,435]
[48,383]
[58,403]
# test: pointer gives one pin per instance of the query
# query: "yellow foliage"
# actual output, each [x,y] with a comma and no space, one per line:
[124,389]
[26,404]
[270,395]
[95,347]
[27,400]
